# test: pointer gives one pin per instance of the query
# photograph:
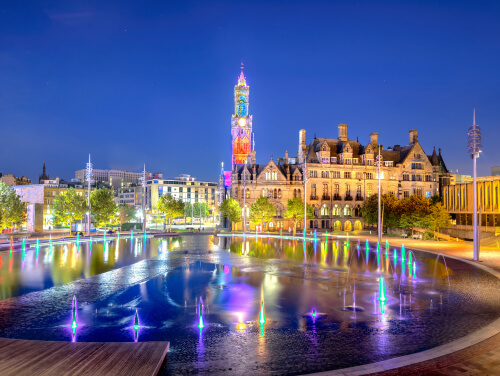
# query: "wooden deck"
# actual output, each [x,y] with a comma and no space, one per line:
[43,358]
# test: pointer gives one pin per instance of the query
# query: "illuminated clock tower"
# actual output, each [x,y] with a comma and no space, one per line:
[241,122]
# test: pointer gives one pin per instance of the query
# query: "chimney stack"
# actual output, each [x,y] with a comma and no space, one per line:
[413,136]
[343,132]
[374,139]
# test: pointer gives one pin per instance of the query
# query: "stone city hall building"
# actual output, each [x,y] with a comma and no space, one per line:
[341,173]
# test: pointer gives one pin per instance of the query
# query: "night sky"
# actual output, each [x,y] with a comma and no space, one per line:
[135,82]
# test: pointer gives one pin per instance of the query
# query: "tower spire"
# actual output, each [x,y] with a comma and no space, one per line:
[474,117]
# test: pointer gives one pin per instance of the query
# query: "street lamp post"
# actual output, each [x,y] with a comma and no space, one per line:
[379,198]
[88,175]
[143,180]
[475,147]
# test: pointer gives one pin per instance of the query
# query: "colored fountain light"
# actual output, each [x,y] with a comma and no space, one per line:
[409,259]
[403,253]
[78,237]
[262,316]
[74,324]
[314,313]
[50,240]
[315,236]
[395,256]
[11,246]
[414,270]
[131,234]
[386,248]
[382,297]
[136,321]
[37,243]
[200,322]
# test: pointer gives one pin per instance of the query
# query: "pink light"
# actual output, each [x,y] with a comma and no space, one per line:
[226,269]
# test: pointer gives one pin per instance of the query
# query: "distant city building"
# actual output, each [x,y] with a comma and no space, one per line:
[11,180]
[458,201]
[341,173]
[46,193]
[184,187]
[495,171]
[116,178]
[131,195]
[458,179]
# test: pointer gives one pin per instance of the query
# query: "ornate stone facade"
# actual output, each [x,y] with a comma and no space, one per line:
[342,173]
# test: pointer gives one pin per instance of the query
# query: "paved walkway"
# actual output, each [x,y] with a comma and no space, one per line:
[46,358]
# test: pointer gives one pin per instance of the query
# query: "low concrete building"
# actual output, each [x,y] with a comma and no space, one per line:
[457,199]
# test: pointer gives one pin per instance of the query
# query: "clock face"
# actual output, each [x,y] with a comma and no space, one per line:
[242,122]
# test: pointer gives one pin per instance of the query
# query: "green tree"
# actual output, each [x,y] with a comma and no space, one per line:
[171,207]
[188,210]
[295,211]
[103,207]
[126,213]
[390,210]
[413,211]
[231,209]
[437,218]
[200,209]
[68,208]
[261,210]
[12,210]
[369,210]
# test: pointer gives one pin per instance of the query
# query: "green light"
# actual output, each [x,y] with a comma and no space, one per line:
[200,322]
[262,317]
[78,237]
[136,321]
[11,246]
[409,260]
[403,254]
[74,324]
[414,270]
[314,313]
[386,248]
[382,297]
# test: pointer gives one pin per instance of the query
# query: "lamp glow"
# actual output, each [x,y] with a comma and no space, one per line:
[200,322]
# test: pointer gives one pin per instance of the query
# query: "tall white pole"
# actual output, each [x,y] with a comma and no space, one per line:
[474,210]
[89,178]
[474,146]
[379,199]
[144,199]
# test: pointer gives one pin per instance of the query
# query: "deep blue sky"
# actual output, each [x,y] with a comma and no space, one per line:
[136,82]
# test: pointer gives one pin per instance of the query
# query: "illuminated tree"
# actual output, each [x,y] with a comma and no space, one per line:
[261,210]
[69,207]
[12,210]
[104,209]
[171,207]
[231,209]
[126,213]
[295,211]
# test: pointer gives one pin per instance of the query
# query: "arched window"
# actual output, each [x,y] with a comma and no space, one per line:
[267,192]
[275,193]
[294,193]
[248,193]
[336,210]
[324,210]
[336,189]
[298,193]
[279,193]
[347,211]
[263,192]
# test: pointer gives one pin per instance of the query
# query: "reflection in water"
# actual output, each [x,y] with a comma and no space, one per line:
[313,317]
[38,268]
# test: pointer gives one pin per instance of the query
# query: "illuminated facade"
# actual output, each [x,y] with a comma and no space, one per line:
[457,199]
[341,173]
[241,122]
